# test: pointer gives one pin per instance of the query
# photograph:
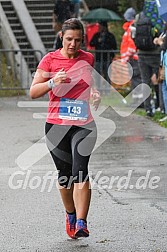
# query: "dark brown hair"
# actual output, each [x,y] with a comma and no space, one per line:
[72,24]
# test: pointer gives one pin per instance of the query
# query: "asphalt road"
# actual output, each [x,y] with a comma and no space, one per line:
[128,168]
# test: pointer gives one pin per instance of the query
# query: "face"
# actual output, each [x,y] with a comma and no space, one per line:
[72,40]
[101,28]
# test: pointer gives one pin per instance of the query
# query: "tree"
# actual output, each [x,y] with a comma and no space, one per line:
[109,4]
[124,4]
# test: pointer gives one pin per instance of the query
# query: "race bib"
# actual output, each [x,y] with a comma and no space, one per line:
[73,109]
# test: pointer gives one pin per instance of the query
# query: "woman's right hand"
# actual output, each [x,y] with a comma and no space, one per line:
[60,77]
[40,87]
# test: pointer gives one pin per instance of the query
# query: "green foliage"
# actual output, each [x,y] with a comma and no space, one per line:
[114,101]
[116,29]
[124,4]
[8,79]
[157,116]
[10,93]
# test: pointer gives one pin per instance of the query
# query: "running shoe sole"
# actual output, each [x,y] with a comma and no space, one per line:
[81,233]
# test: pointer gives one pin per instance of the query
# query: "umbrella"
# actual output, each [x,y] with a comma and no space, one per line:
[100,14]
[151,11]
[162,8]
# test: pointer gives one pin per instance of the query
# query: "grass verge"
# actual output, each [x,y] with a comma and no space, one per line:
[106,100]
[157,116]
[10,93]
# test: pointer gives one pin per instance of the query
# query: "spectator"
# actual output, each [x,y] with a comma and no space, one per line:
[58,41]
[63,10]
[149,58]
[76,4]
[128,51]
[103,40]
[162,42]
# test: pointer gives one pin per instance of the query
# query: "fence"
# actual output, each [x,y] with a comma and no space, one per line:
[17,67]
[112,70]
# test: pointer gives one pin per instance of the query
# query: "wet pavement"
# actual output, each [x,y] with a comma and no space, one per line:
[128,169]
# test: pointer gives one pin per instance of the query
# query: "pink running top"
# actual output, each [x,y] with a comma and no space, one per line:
[69,101]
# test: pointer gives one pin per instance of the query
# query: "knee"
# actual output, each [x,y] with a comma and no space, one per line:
[81,176]
[64,178]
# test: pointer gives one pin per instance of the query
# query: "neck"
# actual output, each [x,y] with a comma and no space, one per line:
[69,56]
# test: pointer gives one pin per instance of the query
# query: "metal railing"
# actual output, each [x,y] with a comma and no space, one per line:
[17,67]
[114,75]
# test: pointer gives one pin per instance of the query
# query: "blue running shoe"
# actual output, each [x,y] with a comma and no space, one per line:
[70,225]
[81,229]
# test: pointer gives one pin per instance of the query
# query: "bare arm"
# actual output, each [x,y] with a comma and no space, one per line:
[39,86]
